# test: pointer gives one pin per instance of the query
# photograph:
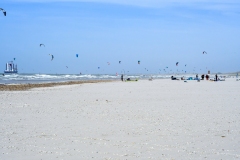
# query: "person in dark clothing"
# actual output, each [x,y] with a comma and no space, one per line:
[202,77]
[173,78]
[197,76]
[122,77]
[216,77]
[207,76]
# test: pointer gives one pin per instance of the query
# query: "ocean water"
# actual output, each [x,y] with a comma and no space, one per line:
[46,78]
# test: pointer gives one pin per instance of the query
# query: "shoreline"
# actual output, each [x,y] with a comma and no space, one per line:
[23,87]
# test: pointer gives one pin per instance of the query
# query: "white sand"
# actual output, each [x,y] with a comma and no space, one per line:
[159,119]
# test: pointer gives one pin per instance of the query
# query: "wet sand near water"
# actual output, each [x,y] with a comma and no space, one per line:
[20,87]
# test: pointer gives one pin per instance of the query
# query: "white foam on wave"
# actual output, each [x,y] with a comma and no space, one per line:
[29,78]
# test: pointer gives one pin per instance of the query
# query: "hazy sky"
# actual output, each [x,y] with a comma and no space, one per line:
[156,32]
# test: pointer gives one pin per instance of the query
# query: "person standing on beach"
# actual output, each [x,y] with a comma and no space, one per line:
[207,76]
[197,76]
[216,77]
[122,77]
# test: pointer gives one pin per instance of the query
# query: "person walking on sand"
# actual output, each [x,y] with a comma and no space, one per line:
[122,77]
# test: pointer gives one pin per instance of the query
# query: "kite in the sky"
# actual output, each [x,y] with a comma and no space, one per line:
[108,63]
[76,55]
[51,56]
[42,45]
[4,12]
[119,62]
[98,67]
[204,52]
[138,62]
[177,63]
[66,66]
[14,59]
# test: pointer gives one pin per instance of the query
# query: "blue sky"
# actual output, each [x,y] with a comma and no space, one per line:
[158,33]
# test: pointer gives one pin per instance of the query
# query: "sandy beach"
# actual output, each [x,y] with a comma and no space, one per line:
[159,119]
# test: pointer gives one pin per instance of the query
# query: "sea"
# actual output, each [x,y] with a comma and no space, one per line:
[48,78]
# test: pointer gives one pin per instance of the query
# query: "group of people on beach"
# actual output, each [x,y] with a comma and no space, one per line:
[128,79]
[203,76]
[197,78]
[183,78]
